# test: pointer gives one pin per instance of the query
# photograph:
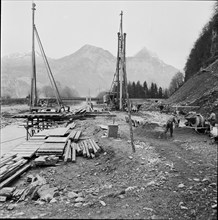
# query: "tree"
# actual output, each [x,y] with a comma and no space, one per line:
[176,82]
[160,92]
[145,89]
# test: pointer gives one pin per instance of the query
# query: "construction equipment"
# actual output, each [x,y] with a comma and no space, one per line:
[35,103]
[116,98]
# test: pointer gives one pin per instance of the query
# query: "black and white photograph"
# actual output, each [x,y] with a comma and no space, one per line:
[109,109]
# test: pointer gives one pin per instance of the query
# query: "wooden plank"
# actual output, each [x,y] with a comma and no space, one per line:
[43,133]
[37,138]
[19,172]
[33,143]
[52,145]
[58,132]
[56,140]
[72,125]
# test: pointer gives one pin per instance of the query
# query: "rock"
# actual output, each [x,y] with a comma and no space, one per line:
[79,199]
[148,209]
[30,178]
[19,213]
[53,200]
[11,206]
[121,196]
[181,185]
[183,207]
[72,195]
[3,198]
[142,163]
[43,214]
[80,194]
[206,179]
[196,179]
[130,157]
[78,204]
[39,202]
[214,206]
[130,188]
[102,203]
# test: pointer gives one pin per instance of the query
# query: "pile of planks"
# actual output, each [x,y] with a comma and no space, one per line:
[11,166]
[86,148]
[56,141]
[79,111]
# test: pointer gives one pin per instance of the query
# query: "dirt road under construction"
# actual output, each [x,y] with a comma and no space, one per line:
[166,178]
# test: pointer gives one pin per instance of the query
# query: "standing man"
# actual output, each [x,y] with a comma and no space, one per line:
[169,125]
[212,119]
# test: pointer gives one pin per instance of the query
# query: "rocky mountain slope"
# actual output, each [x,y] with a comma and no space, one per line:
[200,90]
[90,68]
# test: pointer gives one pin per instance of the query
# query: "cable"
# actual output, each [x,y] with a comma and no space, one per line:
[12,139]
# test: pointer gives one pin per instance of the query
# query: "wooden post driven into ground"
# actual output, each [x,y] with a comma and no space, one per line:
[127,94]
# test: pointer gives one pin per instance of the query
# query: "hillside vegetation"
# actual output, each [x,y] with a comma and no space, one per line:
[201,71]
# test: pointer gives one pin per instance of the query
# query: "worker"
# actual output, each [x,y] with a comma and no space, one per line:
[161,106]
[212,119]
[169,125]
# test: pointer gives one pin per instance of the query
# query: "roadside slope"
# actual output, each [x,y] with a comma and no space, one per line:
[201,89]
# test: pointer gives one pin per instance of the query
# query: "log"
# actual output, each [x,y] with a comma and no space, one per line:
[79,149]
[72,135]
[5,159]
[76,138]
[83,149]
[73,152]
[67,151]
[12,169]
[91,150]
[92,155]
[96,146]
[93,147]
[87,149]
[19,172]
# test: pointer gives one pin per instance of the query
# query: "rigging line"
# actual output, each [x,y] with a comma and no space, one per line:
[12,139]
[48,68]
[48,72]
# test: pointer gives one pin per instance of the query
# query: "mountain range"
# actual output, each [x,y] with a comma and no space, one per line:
[89,69]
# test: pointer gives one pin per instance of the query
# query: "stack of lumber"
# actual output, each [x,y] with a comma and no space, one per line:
[53,148]
[86,148]
[75,135]
[80,111]
[11,166]
[27,149]
[71,125]
[56,141]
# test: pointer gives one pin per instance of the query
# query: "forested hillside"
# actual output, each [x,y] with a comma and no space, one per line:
[205,49]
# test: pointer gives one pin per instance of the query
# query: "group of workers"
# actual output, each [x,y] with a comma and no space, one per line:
[174,121]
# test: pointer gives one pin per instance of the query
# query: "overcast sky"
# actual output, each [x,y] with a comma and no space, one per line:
[168,28]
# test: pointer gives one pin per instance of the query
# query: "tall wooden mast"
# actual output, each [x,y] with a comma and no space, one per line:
[33,93]
[121,73]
